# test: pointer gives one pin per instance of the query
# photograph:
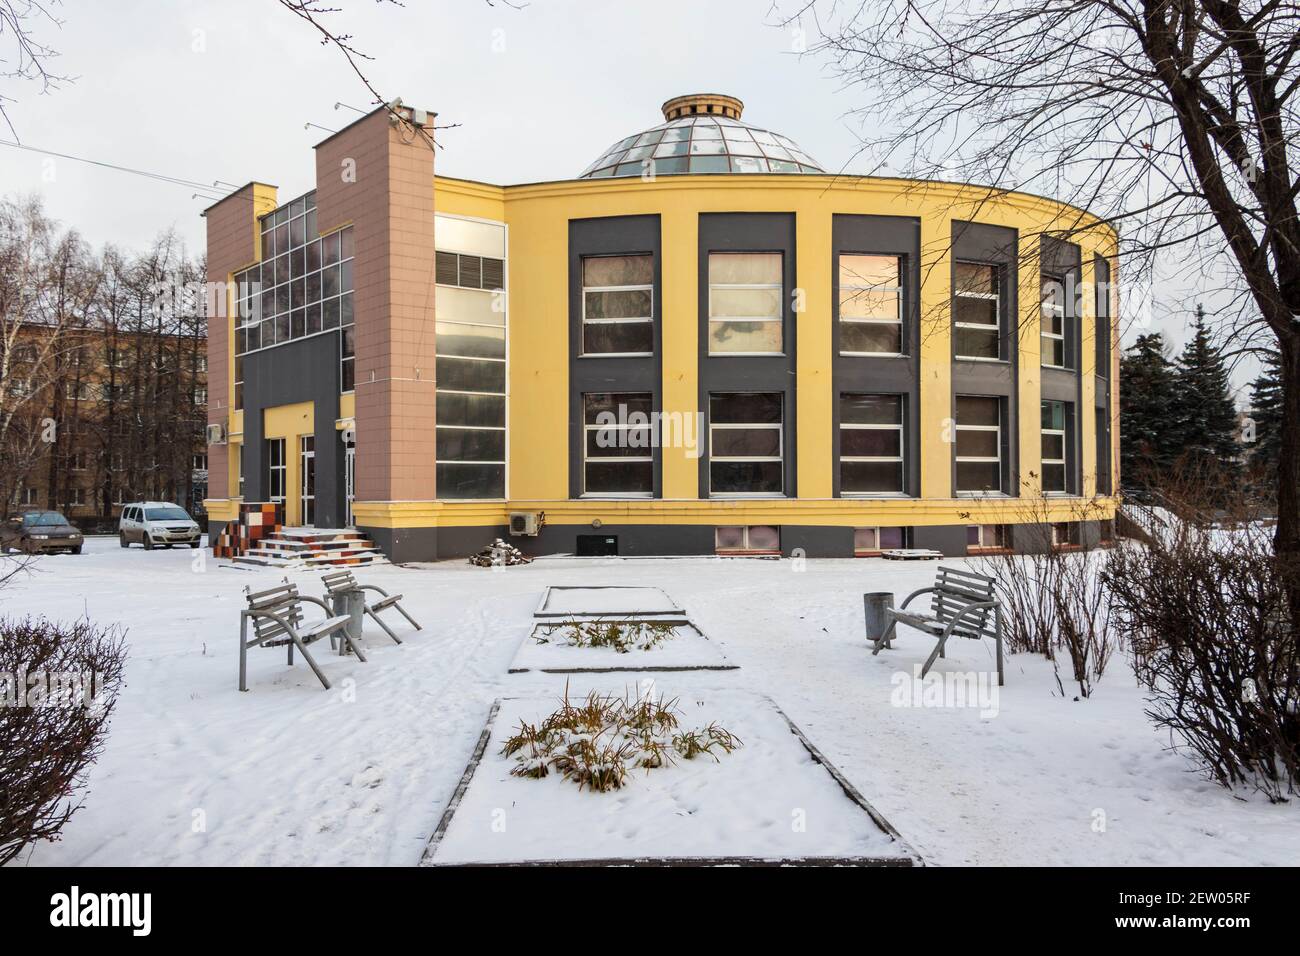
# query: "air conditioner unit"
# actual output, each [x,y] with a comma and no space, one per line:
[217,434]
[525,523]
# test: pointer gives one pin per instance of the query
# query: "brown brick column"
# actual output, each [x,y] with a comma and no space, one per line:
[234,242]
[379,177]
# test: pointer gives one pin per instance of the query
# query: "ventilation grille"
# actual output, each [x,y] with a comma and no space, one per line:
[469,272]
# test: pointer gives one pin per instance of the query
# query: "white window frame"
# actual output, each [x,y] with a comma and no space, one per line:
[1055,310]
[1065,474]
[647,320]
[898,288]
[779,318]
[900,458]
[980,459]
[282,468]
[779,427]
[878,548]
[995,298]
[618,426]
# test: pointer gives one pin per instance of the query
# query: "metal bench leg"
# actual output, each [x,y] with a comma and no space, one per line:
[243,652]
[884,639]
[312,663]
[408,617]
[934,654]
[387,630]
[346,642]
[998,618]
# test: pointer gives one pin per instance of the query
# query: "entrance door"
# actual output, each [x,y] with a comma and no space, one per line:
[349,480]
[308,472]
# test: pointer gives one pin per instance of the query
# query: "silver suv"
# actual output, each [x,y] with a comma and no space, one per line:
[154,523]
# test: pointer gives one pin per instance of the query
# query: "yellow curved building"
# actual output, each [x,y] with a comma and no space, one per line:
[704,344]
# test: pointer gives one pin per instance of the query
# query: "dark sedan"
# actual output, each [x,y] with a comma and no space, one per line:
[40,532]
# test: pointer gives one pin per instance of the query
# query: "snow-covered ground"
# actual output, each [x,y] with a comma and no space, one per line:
[195,772]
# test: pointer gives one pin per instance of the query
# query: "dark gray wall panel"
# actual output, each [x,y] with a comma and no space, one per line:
[880,235]
[749,232]
[993,245]
[817,541]
[609,236]
[306,370]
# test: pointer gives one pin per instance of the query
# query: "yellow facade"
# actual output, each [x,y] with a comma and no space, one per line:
[537,217]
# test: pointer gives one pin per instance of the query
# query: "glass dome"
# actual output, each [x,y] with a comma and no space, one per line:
[703,134]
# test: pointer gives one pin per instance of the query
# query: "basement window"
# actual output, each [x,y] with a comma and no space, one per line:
[986,537]
[869,542]
[751,539]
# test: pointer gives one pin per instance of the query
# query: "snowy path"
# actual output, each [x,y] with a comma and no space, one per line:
[197,773]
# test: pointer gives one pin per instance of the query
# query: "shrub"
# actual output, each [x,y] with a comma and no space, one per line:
[58,687]
[1054,599]
[1205,613]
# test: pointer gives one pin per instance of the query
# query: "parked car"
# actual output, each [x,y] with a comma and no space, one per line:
[40,532]
[154,523]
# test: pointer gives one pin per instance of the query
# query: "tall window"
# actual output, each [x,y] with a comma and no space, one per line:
[470,331]
[618,455]
[1103,452]
[871,305]
[746,444]
[746,299]
[1101,287]
[979,444]
[976,306]
[618,305]
[871,444]
[276,469]
[1054,469]
[1053,334]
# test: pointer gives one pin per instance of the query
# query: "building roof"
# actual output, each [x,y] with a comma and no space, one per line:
[702,133]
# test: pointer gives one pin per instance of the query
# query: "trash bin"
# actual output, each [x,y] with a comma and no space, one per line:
[876,605]
[353,604]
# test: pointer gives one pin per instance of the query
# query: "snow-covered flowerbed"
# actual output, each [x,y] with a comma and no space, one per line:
[554,647]
[768,798]
[607,601]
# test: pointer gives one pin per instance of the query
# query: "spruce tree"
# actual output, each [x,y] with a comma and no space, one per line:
[1205,415]
[1266,412]
[1146,417]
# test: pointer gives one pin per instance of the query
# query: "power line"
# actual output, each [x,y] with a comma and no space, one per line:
[147,174]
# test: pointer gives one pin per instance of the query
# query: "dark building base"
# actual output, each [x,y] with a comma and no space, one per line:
[645,541]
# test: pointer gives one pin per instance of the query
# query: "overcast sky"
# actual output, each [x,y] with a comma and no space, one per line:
[211,91]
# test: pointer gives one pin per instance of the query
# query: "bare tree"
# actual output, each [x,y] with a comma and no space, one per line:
[1175,121]
[22,56]
[45,289]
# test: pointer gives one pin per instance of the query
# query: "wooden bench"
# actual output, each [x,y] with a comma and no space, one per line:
[277,618]
[964,604]
[342,582]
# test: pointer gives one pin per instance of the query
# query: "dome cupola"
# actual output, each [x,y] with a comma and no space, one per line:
[702,133]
